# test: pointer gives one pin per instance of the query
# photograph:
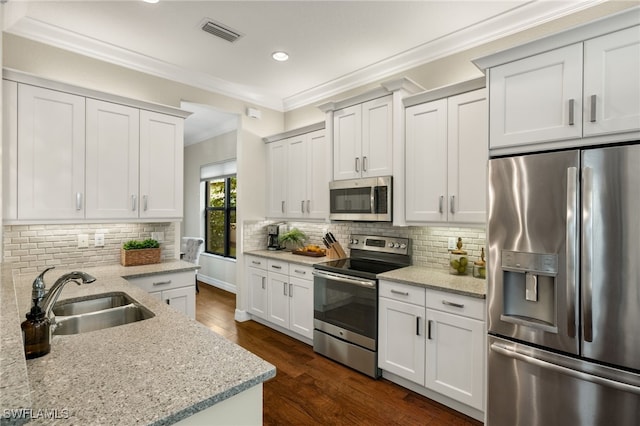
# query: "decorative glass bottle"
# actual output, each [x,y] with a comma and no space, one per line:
[458,260]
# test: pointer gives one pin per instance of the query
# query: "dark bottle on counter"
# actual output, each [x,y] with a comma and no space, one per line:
[36,333]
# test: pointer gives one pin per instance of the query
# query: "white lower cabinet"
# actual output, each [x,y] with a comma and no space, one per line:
[281,293]
[176,289]
[434,339]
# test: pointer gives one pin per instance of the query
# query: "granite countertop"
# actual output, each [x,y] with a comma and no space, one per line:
[287,256]
[156,371]
[438,279]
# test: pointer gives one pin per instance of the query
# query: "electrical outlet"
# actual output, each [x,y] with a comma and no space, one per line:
[83,240]
[158,236]
[99,240]
[451,245]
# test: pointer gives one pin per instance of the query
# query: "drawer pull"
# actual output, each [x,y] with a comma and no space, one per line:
[276,267]
[298,271]
[162,283]
[402,293]
[455,305]
[255,262]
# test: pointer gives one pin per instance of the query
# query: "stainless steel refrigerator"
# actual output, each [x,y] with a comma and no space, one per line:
[564,288]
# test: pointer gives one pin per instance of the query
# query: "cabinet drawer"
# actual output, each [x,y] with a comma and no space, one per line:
[301,271]
[456,304]
[257,262]
[402,292]
[166,281]
[278,266]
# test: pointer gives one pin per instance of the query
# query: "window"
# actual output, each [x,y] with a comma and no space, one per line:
[220,216]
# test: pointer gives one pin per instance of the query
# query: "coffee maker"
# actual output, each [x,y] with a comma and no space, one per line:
[274,231]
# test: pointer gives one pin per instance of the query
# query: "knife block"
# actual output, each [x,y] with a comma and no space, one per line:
[336,252]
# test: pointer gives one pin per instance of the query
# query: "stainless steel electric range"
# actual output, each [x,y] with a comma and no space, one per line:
[345,302]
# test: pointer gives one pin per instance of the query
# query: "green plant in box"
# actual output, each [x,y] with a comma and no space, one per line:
[144,244]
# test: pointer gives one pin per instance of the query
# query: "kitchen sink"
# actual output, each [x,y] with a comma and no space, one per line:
[97,312]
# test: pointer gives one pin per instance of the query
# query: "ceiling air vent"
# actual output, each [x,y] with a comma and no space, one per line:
[220,30]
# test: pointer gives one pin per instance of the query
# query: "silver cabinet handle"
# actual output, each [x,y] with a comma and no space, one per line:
[455,305]
[298,271]
[592,117]
[417,326]
[162,283]
[302,206]
[364,164]
[510,353]
[402,293]
[78,200]
[429,329]
[290,290]
[441,204]
[452,204]
[284,288]
[308,206]
[282,206]
[357,164]
[587,254]
[571,251]
[572,104]
[144,202]
[133,202]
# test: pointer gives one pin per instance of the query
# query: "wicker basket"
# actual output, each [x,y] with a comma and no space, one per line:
[139,256]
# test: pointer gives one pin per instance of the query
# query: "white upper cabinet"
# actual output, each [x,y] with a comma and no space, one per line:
[161,165]
[537,99]
[113,141]
[446,159]
[71,156]
[612,83]
[51,154]
[363,139]
[576,88]
[298,177]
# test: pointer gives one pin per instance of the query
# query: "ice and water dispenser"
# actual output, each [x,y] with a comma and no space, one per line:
[529,289]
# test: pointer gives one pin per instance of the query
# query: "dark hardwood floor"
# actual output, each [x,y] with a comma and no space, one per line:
[312,390]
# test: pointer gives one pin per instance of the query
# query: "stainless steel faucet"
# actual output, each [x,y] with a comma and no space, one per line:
[45,300]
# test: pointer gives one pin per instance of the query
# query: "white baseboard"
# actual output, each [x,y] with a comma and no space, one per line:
[218,283]
[242,316]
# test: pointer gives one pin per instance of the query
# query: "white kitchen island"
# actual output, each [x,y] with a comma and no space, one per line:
[162,370]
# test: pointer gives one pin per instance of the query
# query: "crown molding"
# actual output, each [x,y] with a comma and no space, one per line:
[524,17]
[68,40]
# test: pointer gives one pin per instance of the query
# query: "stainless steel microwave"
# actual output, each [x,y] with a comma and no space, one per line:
[366,199]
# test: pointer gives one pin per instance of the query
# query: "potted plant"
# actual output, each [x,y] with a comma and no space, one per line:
[143,252]
[293,239]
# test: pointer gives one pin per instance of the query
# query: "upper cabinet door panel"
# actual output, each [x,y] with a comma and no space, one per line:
[161,165]
[377,128]
[468,154]
[9,150]
[51,153]
[537,99]
[297,176]
[319,175]
[113,133]
[347,143]
[612,83]
[426,162]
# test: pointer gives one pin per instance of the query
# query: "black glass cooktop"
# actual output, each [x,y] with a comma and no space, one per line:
[363,268]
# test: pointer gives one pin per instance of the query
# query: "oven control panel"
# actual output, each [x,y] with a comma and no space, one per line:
[394,245]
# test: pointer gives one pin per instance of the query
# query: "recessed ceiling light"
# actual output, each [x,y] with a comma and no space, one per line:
[151,1]
[280,56]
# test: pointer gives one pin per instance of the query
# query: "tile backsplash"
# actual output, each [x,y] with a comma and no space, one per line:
[31,248]
[428,244]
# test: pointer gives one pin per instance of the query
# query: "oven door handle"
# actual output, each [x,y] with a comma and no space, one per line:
[345,279]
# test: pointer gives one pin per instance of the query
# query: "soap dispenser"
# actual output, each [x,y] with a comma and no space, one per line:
[36,330]
[36,333]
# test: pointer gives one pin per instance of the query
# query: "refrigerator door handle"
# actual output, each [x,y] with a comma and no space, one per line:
[587,252]
[571,245]
[495,347]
